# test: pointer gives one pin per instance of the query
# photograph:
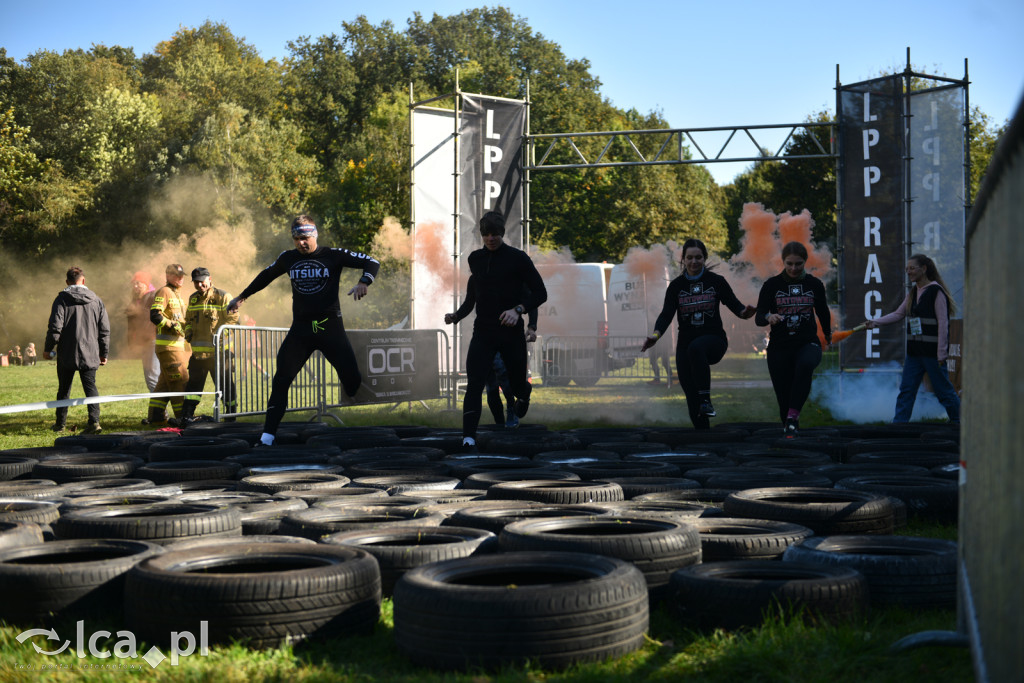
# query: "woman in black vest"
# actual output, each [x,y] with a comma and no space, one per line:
[927,309]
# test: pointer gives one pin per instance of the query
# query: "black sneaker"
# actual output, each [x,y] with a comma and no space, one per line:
[469,447]
[706,409]
[522,405]
[57,428]
[92,428]
[792,426]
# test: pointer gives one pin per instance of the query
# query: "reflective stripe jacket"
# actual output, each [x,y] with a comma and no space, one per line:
[207,313]
[168,314]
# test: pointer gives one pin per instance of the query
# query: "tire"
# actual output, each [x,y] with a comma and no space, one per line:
[681,512]
[348,437]
[196,448]
[921,458]
[28,510]
[406,483]
[293,481]
[484,480]
[657,547]
[158,522]
[587,436]
[705,496]
[730,538]
[900,570]
[113,501]
[499,514]
[837,471]
[236,540]
[684,461]
[567,608]
[264,594]
[625,468]
[557,492]
[688,437]
[386,468]
[266,468]
[177,471]
[87,466]
[400,549]
[757,478]
[638,486]
[316,523]
[46,582]
[121,487]
[46,489]
[703,474]
[13,466]
[912,445]
[927,497]
[17,534]
[526,443]
[732,595]
[825,511]
[466,466]
[94,442]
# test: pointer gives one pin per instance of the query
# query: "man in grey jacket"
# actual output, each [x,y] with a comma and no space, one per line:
[78,335]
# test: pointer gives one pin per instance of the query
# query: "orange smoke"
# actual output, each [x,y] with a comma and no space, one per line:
[432,250]
[392,242]
[650,263]
[798,229]
[760,249]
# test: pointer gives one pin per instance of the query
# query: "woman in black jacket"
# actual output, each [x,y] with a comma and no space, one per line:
[694,299]
[788,302]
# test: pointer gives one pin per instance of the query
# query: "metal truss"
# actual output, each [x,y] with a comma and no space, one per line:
[675,144]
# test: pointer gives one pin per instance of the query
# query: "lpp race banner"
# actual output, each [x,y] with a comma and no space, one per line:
[490,147]
[871,139]
[937,185]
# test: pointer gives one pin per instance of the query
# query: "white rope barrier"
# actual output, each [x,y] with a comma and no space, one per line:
[68,402]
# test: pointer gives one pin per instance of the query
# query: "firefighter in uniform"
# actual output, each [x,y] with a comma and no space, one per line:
[168,314]
[207,313]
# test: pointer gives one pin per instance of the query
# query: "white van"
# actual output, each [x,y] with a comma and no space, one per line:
[594,320]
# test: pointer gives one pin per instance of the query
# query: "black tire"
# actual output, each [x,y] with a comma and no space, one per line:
[674,511]
[264,516]
[566,608]
[638,486]
[837,471]
[557,492]
[688,437]
[900,570]
[196,448]
[347,438]
[403,548]
[158,522]
[46,489]
[43,452]
[94,442]
[294,481]
[315,523]
[703,474]
[589,435]
[756,478]
[825,511]
[17,534]
[253,539]
[405,483]
[835,447]
[466,466]
[730,538]
[86,466]
[706,496]
[927,497]
[657,547]
[264,594]
[14,466]
[266,468]
[177,471]
[59,579]
[526,443]
[625,468]
[496,515]
[732,595]
[921,458]
[689,460]
[911,445]
[114,501]
[385,468]
[485,480]
[28,510]
[117,487]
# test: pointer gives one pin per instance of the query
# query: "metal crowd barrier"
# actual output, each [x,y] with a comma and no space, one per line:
[247,359]
[586,360]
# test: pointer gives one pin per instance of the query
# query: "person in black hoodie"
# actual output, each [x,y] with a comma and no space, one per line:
[504,284]
[788,302]
[78,336]
[694,298]
[315,273]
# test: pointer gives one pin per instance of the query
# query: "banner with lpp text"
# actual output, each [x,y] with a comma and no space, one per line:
[873,256]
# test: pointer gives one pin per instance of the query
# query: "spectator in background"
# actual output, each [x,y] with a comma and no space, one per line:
[141,333]
[15,356]
[78,336]
[30,354]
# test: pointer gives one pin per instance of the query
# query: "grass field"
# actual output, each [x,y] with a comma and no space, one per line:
[784,649]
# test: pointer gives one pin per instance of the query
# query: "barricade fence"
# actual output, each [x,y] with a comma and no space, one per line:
[584,360]
[396,365]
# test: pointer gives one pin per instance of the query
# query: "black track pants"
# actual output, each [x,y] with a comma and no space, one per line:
[694,362]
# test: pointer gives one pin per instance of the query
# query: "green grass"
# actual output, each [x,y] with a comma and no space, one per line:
[783,649]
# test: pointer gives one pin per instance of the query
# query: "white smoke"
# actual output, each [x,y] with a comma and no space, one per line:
[870,396]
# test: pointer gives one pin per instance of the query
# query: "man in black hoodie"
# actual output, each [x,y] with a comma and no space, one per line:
[78,336]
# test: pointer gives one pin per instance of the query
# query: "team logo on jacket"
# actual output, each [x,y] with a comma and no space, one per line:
[309,277]
[699,303]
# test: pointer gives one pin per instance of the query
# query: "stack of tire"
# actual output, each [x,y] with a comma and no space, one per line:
[547,546]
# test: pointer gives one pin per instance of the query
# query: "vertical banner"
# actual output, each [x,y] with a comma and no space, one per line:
[433,195]
[937,216]
[490,144]
[871,140]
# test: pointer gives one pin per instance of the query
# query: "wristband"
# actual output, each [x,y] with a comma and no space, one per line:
[655,334]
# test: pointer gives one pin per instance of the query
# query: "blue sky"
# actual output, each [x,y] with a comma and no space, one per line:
[724,63]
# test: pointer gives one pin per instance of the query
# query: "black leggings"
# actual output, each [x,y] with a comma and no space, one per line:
[693,362]
[791,367]
[302,340]
[511,344]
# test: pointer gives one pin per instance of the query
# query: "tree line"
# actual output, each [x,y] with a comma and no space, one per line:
[88,139]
